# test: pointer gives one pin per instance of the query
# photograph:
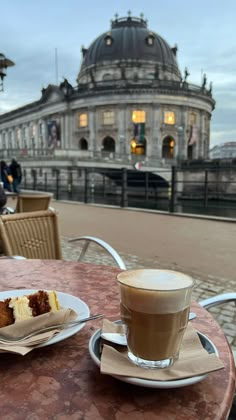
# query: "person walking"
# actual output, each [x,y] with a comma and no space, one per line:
[15,169]
[6,176]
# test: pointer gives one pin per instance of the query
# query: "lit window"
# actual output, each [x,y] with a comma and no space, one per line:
[138,116]
[108,117]
[83,120]
[169,117]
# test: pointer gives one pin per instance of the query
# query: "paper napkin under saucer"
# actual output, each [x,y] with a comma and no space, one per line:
[193,360]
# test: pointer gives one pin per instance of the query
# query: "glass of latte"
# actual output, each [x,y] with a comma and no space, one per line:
[154,306]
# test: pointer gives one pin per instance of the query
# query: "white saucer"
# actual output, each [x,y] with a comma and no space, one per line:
[65,301]
[94,350]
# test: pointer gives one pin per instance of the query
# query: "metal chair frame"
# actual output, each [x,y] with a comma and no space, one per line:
[113,253]
[36,235]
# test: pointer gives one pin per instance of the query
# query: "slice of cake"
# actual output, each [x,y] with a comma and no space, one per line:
[28,306]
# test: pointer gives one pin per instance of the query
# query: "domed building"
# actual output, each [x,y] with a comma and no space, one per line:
[131,102]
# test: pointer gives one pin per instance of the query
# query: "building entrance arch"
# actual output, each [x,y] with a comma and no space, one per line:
[108,144]
[83,144]
[168,146]
[138,147]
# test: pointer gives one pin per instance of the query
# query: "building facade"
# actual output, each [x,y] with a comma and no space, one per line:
[130,102]
[223,151]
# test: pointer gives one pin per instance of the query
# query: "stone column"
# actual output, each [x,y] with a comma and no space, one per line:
[157,133]
[182,137]
[92,146]
[122,132]
[67,119]
[62,131]
[151,139]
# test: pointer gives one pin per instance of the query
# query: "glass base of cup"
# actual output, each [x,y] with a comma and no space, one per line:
[151,364]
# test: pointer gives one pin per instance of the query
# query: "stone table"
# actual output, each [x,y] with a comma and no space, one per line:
[61,381]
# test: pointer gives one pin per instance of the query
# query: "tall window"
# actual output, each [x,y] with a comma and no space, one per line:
[41,129]
[10,139]
[33,131]
[139,116]
[108,144]
[4,140]
[168,146]
[25,131]
[18,137]
[192,118]
[83,120]
[169,117]
[108,117]
[83,144]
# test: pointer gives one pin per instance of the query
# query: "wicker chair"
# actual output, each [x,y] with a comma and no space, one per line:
[36,235]
[32,202]
[31,235]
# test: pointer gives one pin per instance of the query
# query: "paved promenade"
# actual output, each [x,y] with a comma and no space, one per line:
[201,247]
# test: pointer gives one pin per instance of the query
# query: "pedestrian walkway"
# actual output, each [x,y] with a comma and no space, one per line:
[200,247]
[203,247]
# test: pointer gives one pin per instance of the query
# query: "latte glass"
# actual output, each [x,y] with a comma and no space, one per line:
[154,306]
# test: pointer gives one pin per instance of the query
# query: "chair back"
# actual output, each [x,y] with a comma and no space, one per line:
[32,202]
[32,235]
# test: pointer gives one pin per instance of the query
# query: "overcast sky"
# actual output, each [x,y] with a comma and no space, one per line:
[34,33]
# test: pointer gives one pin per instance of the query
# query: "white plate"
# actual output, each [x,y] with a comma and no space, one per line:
[94,350]
[66,301]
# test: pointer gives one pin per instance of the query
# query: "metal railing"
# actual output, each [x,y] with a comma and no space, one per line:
[209,191]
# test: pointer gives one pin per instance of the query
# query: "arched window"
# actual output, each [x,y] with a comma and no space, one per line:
[83,144]
[150,39]
[108,144]
[168,147]
[138,147]
[108,39]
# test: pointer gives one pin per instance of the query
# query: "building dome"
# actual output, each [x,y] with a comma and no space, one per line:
[130,41]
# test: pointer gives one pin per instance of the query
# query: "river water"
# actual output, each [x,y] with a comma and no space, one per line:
[218,208]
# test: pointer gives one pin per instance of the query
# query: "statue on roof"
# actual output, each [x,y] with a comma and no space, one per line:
[186,74]
[204,80]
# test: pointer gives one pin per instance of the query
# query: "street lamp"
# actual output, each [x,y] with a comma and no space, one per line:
[4,63]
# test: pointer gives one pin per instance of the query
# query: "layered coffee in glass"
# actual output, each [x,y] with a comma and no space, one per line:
[154,306]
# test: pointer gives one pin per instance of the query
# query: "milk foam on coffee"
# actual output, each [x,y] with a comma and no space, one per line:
[148,290]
